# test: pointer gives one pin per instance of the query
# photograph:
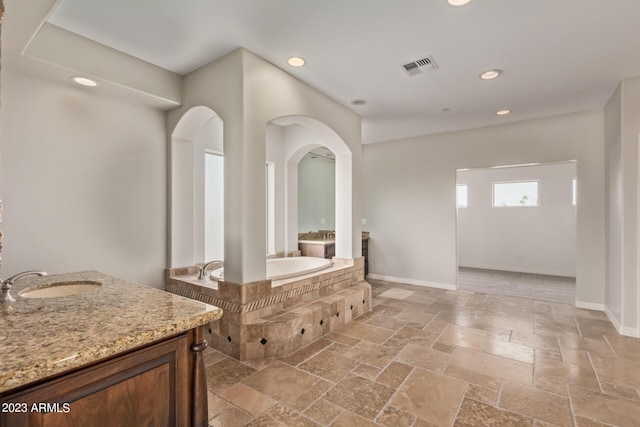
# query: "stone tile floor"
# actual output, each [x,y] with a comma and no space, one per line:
[425,357]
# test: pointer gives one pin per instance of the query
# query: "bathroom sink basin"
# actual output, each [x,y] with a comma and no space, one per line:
[60,289]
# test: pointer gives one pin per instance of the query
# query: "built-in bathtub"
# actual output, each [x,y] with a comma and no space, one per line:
[273,318]
[284,268]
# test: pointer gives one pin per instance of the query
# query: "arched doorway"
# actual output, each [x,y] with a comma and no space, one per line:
[197,136]
[296,144]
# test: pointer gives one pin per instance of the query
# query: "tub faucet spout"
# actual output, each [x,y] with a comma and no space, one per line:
[203,269]
[6,284]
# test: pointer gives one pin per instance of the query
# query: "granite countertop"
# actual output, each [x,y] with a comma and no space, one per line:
[318,242]
[42,337]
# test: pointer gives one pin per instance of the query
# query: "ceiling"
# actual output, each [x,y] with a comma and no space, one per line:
[557,56]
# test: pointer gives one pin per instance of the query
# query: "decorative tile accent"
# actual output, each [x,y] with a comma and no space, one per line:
[263,341]
[259,310]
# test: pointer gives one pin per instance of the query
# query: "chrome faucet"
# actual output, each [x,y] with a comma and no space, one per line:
[6,284]
[203,269]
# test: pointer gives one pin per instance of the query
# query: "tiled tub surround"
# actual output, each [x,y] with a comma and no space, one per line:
[43,337]
[271,319]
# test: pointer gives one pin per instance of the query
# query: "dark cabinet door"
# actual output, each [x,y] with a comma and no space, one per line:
[148,387]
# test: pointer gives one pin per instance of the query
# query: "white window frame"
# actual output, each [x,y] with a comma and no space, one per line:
[493,193]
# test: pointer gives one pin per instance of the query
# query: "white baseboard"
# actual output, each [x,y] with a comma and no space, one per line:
[622,330]
[613,319]
[521,270]
[590,305]
[413,282]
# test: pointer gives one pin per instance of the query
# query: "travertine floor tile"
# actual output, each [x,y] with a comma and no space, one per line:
[543,342]
[388,369]
[617,370]
[460,336]
[620,391]
[288,385]
[394,374]
[509,350]
[394,417]
[536,403]
[343,339]
[329,366]
[476,362]
[423,357]
[349,419]
[586,422]
[306,353]
[281,416]
[230,417]
[323,412]
[247,398]
[226,373]
[372,354]
[415,319]
[366,371]
[396,293]
[626,347]
[573,374]
[365,332]
[473,413]
[360,396]
[430,396]
[592,345]
[216,405]
[415,335]
[456,317]
[600,407]
[391,323]
[213,356]
[482,394]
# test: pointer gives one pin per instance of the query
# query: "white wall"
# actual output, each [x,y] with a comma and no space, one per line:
[248,93]
[622,118]
[613,213]
[409,194]
[539,239]
[83,180]
[316,194]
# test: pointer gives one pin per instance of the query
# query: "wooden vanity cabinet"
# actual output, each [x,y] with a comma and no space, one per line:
[159,385]
[321,249]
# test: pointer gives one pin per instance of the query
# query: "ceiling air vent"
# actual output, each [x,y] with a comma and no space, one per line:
[417,67]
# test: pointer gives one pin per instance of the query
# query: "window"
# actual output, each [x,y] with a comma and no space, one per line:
[522,193]
[575,192]
[461,195]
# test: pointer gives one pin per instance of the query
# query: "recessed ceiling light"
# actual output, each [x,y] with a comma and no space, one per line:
[83,81]
[458,2]
[503,112]
[358,102]
[491,74]
[296,61]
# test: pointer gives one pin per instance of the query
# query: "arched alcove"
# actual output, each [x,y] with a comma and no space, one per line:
[198,132]
[293,153]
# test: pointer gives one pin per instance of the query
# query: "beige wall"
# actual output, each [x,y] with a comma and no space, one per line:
[83,181]
[409,195]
